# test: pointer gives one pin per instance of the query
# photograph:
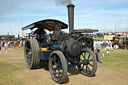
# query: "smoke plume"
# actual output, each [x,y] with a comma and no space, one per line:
[8,6]
[63,2]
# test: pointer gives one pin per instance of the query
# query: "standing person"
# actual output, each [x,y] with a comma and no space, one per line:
[110,45]
[117,46]
[108,48]
[14,45]
[115,43]
[9,43]
[23,43]
[20,44]
[6,46]
[106,42]
[97,48]
[3,43]
[102,43]
[0,47]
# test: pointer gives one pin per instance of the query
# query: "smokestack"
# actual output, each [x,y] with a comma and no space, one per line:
[71,17]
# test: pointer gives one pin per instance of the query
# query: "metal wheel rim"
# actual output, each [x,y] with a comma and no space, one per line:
[57,71]
[28,54]
[87,63]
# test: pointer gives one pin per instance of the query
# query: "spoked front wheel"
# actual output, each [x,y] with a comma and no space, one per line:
[87,62]
[58,66]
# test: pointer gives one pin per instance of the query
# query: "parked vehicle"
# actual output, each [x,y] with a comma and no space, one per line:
[60,49]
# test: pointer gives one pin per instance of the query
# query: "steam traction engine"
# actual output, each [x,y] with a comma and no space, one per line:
[60,49]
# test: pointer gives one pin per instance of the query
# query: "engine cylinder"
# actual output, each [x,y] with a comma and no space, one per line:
[73,47]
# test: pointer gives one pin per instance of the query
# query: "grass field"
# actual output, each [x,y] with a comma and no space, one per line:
[100,38]
[13,71]
[117,60]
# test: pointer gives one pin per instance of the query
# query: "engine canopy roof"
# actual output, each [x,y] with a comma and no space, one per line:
[49,24]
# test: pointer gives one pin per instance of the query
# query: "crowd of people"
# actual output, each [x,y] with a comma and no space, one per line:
[97,45]
[108,44]
[7,44]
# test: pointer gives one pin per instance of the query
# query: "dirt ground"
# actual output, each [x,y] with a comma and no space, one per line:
[13,71]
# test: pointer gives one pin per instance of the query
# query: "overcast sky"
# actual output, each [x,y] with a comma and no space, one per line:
[95,14]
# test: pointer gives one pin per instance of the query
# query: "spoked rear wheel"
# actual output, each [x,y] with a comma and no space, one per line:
[31,51]
[85,42]
[88,62]
[57,66]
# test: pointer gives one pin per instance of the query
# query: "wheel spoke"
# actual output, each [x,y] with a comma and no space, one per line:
[53,59]
[83,55]
[88,69]
[58,64]
[28,49]
[81,59]
[28,56]
[83,66]
[52,64]
[88,56]
[90,60]
[54,71]
[29,61]
[90,64]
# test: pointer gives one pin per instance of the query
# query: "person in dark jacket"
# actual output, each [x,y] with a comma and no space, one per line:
[0,47]
[97,47]
[14,45]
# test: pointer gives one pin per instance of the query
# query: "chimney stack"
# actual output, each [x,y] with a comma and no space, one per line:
[71,17]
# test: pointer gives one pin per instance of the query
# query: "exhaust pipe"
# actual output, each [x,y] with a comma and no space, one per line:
[71,17]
